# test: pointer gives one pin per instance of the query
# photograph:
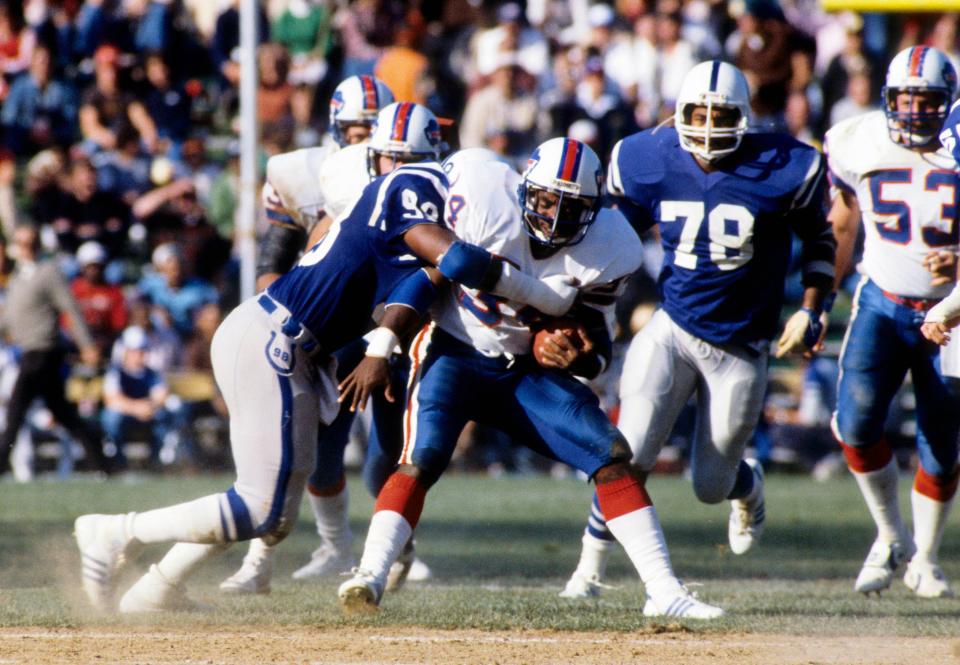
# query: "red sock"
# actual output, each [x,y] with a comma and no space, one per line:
[934,487]
[621,496]
[402,494]
[868,458]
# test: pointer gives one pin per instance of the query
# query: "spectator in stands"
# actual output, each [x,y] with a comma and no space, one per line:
[125,171]
[797,116]
[852,60]
[134,396]
[599,100]
[194,165]
[42,185]
[858,100]
[167,103]
[631,62]
[226,41]
[85,212]
[274,94]
[506,108]
[37,295]
[107,107]
[170,288]
[763,45]
[102,305]
[17,42]
[676,57]
[402,66]
[528,46]
[39,111]
[164,344]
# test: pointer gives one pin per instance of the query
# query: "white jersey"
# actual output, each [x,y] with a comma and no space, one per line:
[291,194]
[343,175]
[908,200]
[482,208]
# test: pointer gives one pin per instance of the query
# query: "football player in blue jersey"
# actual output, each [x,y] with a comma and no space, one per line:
[904,186]
[726,203]
[272,362]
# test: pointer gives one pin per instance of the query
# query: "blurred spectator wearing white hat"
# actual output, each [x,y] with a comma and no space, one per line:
[134,395]
[102,305]
[168,287]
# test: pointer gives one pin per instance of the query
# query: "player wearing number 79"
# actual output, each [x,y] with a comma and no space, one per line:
[905,188]
[726,203]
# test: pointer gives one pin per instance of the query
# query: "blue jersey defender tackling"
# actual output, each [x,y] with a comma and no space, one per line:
[726,203]
[272,363]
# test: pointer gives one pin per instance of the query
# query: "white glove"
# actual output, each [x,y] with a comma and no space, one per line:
[945,310]
[553,295]
[801,333]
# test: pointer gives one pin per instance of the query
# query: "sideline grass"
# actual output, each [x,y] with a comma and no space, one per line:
[500,551]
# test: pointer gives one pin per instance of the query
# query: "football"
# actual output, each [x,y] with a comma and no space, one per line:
[565,327]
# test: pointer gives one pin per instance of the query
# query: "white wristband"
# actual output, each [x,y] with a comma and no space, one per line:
[946,309]
[554,299]
[381,342]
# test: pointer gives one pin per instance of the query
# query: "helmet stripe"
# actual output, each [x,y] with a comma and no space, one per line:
[917,56]
[714,75]
[370,102]
[570,160]
[401,121]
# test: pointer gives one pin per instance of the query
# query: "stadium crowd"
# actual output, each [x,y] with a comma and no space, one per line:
[119,125]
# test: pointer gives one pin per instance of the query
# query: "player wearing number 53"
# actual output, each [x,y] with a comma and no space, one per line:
[726,203]
[888,167]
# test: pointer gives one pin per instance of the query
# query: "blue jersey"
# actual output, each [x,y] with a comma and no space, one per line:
[726,235]
[335,286]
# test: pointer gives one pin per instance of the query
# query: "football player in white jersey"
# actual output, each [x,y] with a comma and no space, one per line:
[726,203]
[304,191]
[474,360]
[905,188]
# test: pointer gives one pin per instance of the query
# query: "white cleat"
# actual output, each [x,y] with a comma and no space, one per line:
[325,561]
[419,571]
[681,605]
[361,593]
[105,547]
[747,516]
[880,565]
[581,586]
[153,593]
[253,577]
[927,580]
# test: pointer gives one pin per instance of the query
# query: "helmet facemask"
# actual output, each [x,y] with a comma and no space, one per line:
[912,127]
[720,132]
[555,218]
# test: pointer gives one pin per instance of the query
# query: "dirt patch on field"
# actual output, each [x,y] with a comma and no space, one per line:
[262,645]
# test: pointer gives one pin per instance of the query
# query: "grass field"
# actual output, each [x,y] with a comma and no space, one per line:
[500,551]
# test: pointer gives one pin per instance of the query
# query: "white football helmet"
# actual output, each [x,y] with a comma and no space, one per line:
[914,70]
[570,170]
[406,132]
[712,84]
[356,101]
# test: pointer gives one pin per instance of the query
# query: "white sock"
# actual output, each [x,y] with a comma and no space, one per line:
[388,533]
[879,489]
[640,535]
[195,521]
[593,556]
[259,551]
[929,520]
[184,558]
[333,524]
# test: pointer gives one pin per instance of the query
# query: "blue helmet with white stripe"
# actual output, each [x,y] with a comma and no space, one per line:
[927,78]
[713,85]
[560,192]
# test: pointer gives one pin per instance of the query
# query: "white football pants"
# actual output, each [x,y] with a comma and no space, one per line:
[664,366]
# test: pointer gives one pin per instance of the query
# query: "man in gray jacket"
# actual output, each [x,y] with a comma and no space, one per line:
[37,295]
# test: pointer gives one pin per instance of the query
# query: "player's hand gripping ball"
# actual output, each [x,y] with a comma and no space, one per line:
[559,342]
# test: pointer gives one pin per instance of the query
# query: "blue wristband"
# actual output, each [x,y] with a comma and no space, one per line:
[467,264]
[415,291]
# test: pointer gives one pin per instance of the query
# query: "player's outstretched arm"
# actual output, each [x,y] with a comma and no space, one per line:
[405,311]
[476,268]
